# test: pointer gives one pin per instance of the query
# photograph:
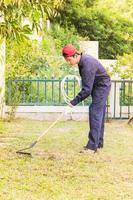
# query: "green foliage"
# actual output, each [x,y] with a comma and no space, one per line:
[13,13]
[63,36]
[111,29]
[124,66]
[123,7]
[11,25]
[43,59]
[31,59]
[18,59]
[80,19]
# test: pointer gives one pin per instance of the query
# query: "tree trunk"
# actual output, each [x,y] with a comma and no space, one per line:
[2,74]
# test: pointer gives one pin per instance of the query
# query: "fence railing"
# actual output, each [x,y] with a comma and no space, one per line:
[39,92]
[45,92]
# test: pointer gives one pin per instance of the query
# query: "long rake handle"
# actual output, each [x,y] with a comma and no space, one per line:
[22,151]
[44,133]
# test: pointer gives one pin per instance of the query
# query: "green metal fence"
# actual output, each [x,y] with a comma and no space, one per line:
[26,92]
[122,98]
[39,92]
[126,93]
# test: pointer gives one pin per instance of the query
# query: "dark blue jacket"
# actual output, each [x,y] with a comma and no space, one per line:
[93,77]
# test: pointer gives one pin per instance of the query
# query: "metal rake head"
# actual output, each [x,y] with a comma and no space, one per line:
[27,151]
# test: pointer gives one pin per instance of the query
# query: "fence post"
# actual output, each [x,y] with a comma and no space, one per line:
[115,99]
[59,89]
[52,78]
[45,89]
[112,100]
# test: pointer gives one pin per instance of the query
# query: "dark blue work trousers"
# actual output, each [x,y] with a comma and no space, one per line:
[97,111]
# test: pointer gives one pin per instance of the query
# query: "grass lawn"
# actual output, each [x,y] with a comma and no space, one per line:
[57,170]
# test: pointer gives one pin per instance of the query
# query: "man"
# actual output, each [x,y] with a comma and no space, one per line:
[95,82]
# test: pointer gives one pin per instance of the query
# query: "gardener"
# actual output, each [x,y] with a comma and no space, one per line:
[95,82]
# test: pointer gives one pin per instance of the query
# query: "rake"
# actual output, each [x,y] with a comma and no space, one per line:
[28,150]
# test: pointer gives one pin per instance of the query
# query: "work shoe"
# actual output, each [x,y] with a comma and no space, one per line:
[87,150]
[100,146]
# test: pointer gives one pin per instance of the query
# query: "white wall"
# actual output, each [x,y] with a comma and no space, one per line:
[90,47]
[50,113]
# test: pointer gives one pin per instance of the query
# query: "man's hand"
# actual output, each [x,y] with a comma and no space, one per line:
[70,105]
[68,109]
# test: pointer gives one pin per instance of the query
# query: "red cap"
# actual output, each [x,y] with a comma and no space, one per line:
[69,50]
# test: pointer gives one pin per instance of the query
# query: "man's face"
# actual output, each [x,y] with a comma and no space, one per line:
[71,60]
